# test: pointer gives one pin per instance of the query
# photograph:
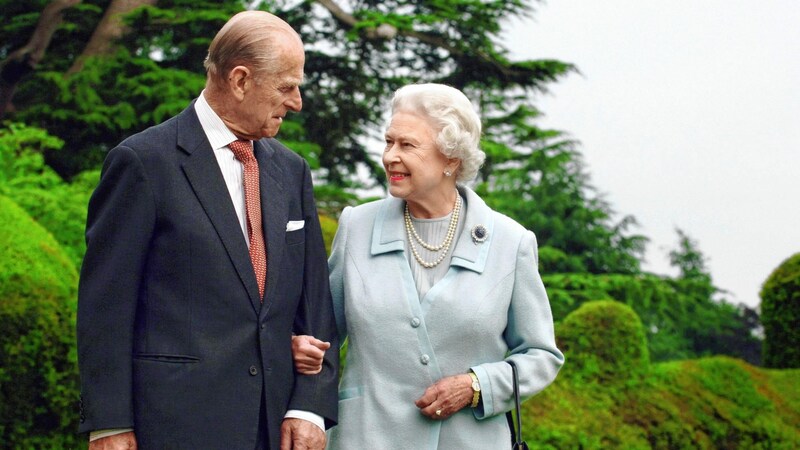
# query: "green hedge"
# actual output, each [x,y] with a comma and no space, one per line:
[708,403]
[58,206]
[605,342]
[780,315]
[38,370]
[678,323]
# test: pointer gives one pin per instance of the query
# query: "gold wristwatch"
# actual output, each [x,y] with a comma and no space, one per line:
[476,390]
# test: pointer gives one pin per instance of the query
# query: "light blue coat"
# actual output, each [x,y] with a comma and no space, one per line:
[490,304]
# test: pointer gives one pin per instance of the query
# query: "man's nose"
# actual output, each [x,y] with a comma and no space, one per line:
[295,101]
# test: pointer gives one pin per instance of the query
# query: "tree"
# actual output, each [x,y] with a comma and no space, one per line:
[780,314]
[547,190]
[110,29]
[352,69]
[24,59]
[713,325]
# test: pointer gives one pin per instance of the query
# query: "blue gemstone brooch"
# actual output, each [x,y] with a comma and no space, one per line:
[479,234]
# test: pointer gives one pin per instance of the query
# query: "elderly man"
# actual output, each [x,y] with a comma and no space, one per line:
[204,256]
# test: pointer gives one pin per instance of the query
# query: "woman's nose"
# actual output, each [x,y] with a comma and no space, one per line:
[390,153]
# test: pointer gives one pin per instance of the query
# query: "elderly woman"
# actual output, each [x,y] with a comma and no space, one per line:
[435,292]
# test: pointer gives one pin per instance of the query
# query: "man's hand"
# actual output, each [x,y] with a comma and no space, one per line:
[308,352]
[299,434]
[122,441]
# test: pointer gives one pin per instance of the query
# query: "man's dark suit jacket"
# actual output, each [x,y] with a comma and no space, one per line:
[172,338]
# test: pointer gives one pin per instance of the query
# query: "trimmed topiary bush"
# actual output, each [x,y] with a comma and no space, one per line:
[38,369]
[604,340]
[780,315]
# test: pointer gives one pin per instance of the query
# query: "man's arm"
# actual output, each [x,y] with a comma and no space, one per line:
[316,393]
[119,226]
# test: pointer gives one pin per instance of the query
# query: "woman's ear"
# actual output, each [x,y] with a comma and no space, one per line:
[452,165]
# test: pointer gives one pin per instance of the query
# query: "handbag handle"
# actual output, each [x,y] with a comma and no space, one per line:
[516,431]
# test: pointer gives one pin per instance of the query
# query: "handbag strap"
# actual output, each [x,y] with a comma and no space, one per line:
[516,431]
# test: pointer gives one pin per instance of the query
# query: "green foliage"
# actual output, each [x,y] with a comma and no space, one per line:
[537,178]
[58,206]
[710,403]
[780,315]
[553,260]
[38,369]
[329,226]
[102,104]
[604,342]
[678,324]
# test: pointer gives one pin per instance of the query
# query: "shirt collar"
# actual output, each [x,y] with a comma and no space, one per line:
[218,134]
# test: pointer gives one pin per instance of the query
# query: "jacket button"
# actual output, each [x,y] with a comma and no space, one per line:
[253,370]
[424,359]
[415,322]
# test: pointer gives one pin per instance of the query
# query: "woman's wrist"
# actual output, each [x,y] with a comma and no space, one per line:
[475,387]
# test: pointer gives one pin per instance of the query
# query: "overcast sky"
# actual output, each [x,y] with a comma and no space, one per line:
[688,114]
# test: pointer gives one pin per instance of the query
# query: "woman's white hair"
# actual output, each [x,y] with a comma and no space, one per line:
[450,112]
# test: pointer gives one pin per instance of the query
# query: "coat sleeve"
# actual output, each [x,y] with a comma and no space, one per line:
[530,338]
[316,393]
[336,266]
[119,227]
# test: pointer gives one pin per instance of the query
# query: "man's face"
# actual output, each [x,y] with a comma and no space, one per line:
[271,96]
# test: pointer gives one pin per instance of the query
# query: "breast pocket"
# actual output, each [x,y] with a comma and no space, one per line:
[295,237]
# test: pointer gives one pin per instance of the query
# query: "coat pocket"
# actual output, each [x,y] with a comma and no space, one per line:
[166,358]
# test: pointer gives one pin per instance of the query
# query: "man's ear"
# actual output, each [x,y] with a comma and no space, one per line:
[239,80]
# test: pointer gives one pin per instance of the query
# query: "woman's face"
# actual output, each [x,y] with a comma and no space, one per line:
[414,165]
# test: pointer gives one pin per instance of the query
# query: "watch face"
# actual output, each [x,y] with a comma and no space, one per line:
[476,386]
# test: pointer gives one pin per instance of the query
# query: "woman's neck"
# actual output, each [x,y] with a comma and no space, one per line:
[433,207]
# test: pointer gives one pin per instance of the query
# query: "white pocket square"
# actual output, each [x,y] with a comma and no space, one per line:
[295,225]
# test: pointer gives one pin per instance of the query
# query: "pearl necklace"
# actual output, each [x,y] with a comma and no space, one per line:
[444,246]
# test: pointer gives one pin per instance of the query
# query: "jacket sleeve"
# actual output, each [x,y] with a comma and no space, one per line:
[316,393]
[119,226]
[530,338]
[336,265]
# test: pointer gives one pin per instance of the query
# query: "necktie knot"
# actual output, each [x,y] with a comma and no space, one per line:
[242,150]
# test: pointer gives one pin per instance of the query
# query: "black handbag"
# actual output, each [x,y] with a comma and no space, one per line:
[516,431]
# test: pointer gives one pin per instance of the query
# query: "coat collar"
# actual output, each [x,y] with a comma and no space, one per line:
[389,235]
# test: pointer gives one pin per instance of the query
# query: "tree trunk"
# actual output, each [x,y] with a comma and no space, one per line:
[24,60]
[108,31]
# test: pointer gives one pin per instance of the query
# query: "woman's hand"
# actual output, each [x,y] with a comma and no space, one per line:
[446,397]
[308,352]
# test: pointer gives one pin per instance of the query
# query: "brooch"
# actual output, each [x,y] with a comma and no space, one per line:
[479,234]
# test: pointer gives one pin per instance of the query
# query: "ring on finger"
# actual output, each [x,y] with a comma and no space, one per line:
[438,412]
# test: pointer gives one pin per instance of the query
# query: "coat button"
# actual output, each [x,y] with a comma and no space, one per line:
[424,359]
[415,322]
[253,370]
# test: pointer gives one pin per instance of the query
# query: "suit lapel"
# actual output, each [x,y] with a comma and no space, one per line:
[274,213]
[204,175]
